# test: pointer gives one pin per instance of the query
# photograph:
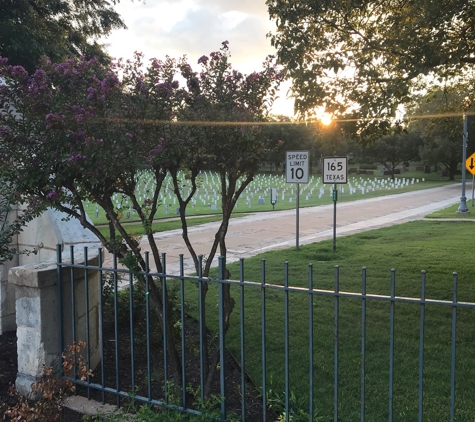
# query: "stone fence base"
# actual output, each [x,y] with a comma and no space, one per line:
[37,316]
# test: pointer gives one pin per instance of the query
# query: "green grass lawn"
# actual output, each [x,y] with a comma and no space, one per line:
[208,193]
[161,226]
[440,248]
[451,212]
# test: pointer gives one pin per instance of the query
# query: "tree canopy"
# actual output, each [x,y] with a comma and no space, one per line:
[441,132]
[367,56]
[58,29]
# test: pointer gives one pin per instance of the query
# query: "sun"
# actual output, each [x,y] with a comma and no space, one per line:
[325,118]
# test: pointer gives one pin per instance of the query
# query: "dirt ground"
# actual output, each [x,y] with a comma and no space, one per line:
[8,372]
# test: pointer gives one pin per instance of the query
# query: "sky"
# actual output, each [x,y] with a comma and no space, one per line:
[196,27]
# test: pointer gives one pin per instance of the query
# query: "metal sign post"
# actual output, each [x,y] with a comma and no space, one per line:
[335,198]
[296,171]
[335,170]
[469,166]
[273,197]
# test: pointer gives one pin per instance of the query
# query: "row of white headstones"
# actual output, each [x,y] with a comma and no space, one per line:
[256,193]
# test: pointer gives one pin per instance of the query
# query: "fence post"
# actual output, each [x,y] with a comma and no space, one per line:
[222,345]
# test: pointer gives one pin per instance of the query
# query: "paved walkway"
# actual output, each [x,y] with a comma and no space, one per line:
[256,233]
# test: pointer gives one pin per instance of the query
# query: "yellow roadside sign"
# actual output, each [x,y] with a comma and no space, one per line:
[470,164]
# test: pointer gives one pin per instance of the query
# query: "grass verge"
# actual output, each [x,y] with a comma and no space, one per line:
[161,226]
[451,212]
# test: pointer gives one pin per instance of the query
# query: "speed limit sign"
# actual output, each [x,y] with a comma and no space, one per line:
[296,169]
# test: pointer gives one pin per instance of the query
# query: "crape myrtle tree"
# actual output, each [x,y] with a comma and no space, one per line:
[9,228]
[76,131]
[365,57]
[223,111]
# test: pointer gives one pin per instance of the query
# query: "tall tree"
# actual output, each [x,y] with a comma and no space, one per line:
[368,55]
[284,134]
[58,29]
[442,130]
[392,150]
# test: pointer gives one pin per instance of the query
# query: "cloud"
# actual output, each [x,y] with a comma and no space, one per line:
[194,28]
[200,31]
[255,7]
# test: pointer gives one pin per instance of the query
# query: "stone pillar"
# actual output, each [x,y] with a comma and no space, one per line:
[37,315]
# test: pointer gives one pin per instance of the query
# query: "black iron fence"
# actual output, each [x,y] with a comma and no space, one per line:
[342,382]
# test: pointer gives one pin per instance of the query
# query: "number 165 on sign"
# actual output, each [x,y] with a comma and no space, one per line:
[335,170]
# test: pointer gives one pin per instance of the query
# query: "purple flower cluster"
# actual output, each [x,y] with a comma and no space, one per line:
[34,203]
[5,132]
[52,195]
[54,120]
[156,150]
[76,157]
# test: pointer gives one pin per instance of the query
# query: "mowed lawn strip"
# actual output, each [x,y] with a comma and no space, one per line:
[440,248]
[451,212]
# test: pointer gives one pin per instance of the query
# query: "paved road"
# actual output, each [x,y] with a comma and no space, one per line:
[250,235]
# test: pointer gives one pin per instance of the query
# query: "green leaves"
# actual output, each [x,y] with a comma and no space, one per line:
[58,29]
[366,55]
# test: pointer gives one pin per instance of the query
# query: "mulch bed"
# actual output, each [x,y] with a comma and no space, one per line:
[233,371]
[8,371]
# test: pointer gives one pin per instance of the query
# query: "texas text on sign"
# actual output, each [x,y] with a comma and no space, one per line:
[335,170]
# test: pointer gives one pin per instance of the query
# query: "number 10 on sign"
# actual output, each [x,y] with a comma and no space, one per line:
[296,171]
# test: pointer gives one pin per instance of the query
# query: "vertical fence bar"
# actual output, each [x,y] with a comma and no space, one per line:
[165,324]
[391,344]
[86,292]
[311,410]
[116,329]
[336,334]
[131,327]
[201,311]
[452,364]
[73,299]
[263,339]
[243,355]
[286,340]
[59,280]
[101,324]
[421,346]
[147,321]
[183,337]
[363,344]
[222,344]
[73,310]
